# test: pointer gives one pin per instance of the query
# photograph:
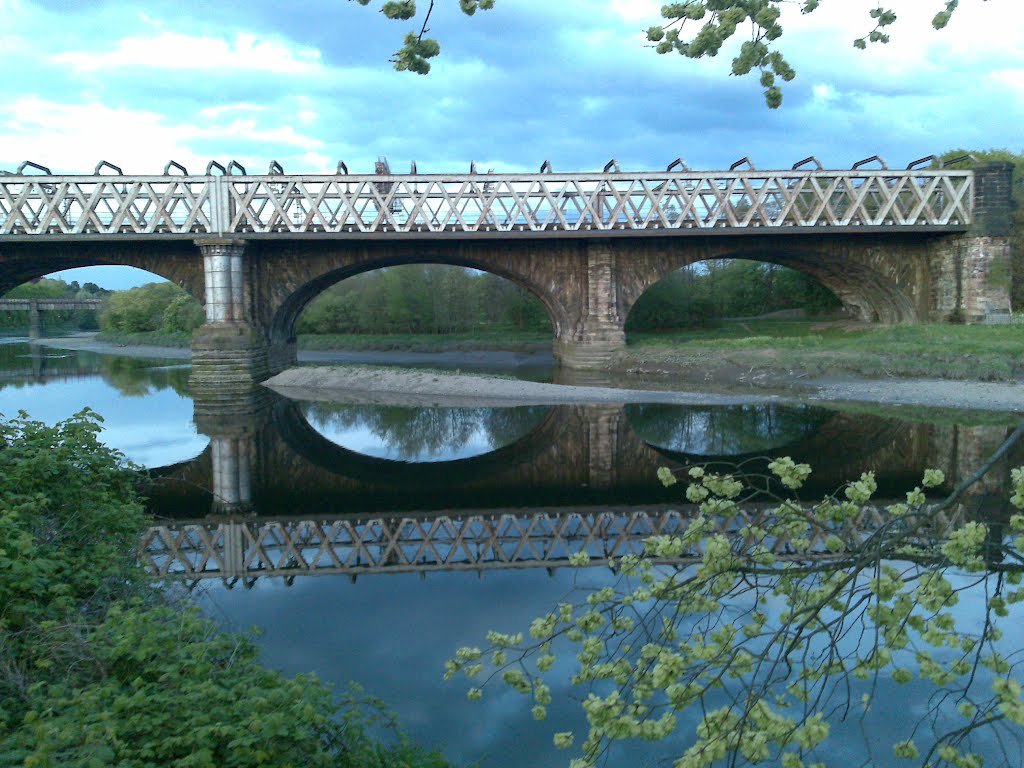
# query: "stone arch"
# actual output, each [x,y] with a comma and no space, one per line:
[876,280]
[865,293]
[178,262]
[288,278]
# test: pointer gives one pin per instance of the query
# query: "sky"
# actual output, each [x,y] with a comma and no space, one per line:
[308,84]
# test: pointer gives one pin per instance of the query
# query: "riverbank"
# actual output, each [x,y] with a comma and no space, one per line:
[754,352]
[708,382]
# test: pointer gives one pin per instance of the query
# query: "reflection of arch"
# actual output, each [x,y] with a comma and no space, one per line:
[187,485]
[284,320]
[305,441]
[809,420]
[577,455]
[868,443]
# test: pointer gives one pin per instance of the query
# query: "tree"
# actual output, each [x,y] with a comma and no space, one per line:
[763,631]
[98,668]
[151,307]
[716,22]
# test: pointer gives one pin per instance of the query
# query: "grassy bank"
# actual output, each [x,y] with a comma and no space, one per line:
[181,339]
[514,341]
[807,348]
[794,348]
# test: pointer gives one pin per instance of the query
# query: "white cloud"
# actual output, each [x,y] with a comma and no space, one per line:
[824,92]
[637,11]
[137,141]
[177,51]
[217,111]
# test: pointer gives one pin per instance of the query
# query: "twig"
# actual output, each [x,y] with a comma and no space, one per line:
[983,469]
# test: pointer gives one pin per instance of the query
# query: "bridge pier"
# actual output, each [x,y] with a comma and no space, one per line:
[230,352]
[36,324]
[599,330]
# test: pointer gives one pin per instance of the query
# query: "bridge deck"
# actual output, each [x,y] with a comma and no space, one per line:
[22,305]
[482,205]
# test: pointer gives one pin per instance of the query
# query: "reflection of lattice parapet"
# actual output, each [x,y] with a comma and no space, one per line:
[500,204]
[436,543]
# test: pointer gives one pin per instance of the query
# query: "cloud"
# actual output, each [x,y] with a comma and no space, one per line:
[177,51]
[570,81]
[138,141]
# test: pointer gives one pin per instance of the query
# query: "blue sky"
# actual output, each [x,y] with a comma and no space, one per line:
[308,84]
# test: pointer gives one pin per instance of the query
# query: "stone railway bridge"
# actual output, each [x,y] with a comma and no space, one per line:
[894,245]
[36,307]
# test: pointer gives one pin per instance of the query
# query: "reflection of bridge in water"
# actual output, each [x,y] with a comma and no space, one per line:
[424,542]
[48,366]
[288,502]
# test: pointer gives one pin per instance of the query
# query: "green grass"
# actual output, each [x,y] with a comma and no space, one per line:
[517,341]
[148,338]
[810,348]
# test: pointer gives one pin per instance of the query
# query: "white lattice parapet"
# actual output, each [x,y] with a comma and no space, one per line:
[500,205]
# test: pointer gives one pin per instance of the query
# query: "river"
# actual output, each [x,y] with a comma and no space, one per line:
[367,542]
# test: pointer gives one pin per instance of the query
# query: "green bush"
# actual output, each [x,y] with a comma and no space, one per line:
[151,307]
[98,668]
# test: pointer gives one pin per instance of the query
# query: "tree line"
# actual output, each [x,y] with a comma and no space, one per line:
[423,299]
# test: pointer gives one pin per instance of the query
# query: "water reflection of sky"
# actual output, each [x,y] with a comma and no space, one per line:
[363,439]
[154,430]
[392,634]
[421,434]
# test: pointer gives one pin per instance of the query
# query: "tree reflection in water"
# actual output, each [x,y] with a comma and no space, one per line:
[422,434]
[724,430]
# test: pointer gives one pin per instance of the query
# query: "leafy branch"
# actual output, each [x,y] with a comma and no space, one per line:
[719,20]
[416,46]
[787,621]
[716,22]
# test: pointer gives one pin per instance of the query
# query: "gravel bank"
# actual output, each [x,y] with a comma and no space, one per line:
[398,386]
[395,386]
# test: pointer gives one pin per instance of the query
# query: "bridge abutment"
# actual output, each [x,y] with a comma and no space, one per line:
[972,273]
[986,265]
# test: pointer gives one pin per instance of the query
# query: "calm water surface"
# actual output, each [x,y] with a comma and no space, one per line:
[522,486]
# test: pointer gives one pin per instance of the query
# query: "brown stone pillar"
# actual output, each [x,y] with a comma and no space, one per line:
[600,330]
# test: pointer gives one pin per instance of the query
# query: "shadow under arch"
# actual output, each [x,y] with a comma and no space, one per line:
[172,260]
[309,444]
[285,318]
[865,292]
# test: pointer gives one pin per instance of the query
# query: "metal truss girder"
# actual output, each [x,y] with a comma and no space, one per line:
[394,205]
